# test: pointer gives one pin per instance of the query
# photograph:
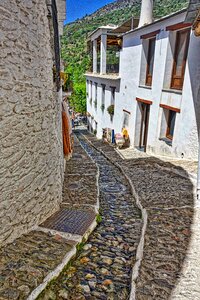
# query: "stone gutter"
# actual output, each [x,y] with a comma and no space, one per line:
[140,248]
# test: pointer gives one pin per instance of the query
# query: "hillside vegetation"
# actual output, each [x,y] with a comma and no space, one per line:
[74,48]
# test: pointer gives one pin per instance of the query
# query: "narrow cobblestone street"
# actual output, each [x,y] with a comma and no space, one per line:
[100,150]
[103,268]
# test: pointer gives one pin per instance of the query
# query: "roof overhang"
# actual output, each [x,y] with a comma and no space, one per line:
[100,31]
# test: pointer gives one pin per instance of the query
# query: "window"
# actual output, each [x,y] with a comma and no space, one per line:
[171,124]
[126,119]
[150,61]
[90,91]
[180,57]
[87,88]
[113,95]
[103,91]
[95,99]
[95,90]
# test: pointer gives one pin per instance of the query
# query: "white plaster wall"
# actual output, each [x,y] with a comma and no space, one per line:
[185,139]
[101,116]
[31,156]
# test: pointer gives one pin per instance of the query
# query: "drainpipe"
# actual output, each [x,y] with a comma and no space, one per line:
[198,177]
[146,14]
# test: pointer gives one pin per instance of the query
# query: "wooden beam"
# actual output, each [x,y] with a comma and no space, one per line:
[170,108]
[178,26]
[150,34]
[144,101]
[128,112]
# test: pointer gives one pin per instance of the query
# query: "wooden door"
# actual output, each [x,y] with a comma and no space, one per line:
[145,109]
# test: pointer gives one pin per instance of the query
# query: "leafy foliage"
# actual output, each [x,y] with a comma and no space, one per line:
[111,109]
[74,41]
[78,97]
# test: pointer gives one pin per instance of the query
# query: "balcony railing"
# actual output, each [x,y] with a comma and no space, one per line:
[112,68]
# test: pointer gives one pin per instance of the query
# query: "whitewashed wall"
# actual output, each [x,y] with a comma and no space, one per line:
[31,159]
[185,140]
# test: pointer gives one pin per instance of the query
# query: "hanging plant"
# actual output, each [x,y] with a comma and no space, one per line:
[111,109]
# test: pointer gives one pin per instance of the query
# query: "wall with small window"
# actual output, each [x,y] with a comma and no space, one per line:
[103,92]
[147,60]
[143,66]
[177,53]
[168,125]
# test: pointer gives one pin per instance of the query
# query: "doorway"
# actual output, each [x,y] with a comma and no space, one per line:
[145,110]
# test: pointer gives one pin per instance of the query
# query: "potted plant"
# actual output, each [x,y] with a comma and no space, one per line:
[111,110]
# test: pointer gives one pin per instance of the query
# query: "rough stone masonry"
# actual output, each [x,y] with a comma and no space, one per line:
[31,161]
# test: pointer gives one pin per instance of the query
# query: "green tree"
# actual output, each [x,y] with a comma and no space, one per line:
[78,98]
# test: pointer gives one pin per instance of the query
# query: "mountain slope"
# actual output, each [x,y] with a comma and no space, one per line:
[74,50]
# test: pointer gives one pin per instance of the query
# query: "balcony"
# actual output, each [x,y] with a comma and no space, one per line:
[104,50]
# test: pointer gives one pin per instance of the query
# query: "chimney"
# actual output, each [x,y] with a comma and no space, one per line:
[146,14]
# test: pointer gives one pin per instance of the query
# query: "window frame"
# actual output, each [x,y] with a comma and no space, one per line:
[174,77]
[149,76]
[168,135]
[113,90]
[95,89]
[103,94]
[91,84]
[126,116]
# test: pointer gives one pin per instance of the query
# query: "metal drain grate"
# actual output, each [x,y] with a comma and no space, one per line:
[70,221]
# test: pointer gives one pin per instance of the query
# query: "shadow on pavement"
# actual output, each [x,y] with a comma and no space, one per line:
[169,200]
[166,191]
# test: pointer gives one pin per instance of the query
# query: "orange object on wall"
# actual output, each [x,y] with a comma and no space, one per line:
[67,149]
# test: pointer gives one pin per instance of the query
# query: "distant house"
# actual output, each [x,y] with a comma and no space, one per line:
[149,74]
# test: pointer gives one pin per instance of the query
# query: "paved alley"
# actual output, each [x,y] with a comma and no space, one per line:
[170,267]
[103,268]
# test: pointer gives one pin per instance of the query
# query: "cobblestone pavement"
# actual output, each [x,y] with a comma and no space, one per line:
[80,183]
[36,256]
[102,270]
[170,266]
[25,263]
[190,166]
[103,267]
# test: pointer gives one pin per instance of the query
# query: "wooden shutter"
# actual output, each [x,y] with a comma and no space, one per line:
[180,57]
[150,61]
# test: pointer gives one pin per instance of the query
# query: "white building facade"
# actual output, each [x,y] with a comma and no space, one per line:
[154,91]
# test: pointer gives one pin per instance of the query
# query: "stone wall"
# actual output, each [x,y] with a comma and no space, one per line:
[31,161]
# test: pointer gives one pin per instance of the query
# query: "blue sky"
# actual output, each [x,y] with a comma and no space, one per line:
[79,8]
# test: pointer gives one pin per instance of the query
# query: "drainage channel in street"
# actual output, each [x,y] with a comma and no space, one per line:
[103,267]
